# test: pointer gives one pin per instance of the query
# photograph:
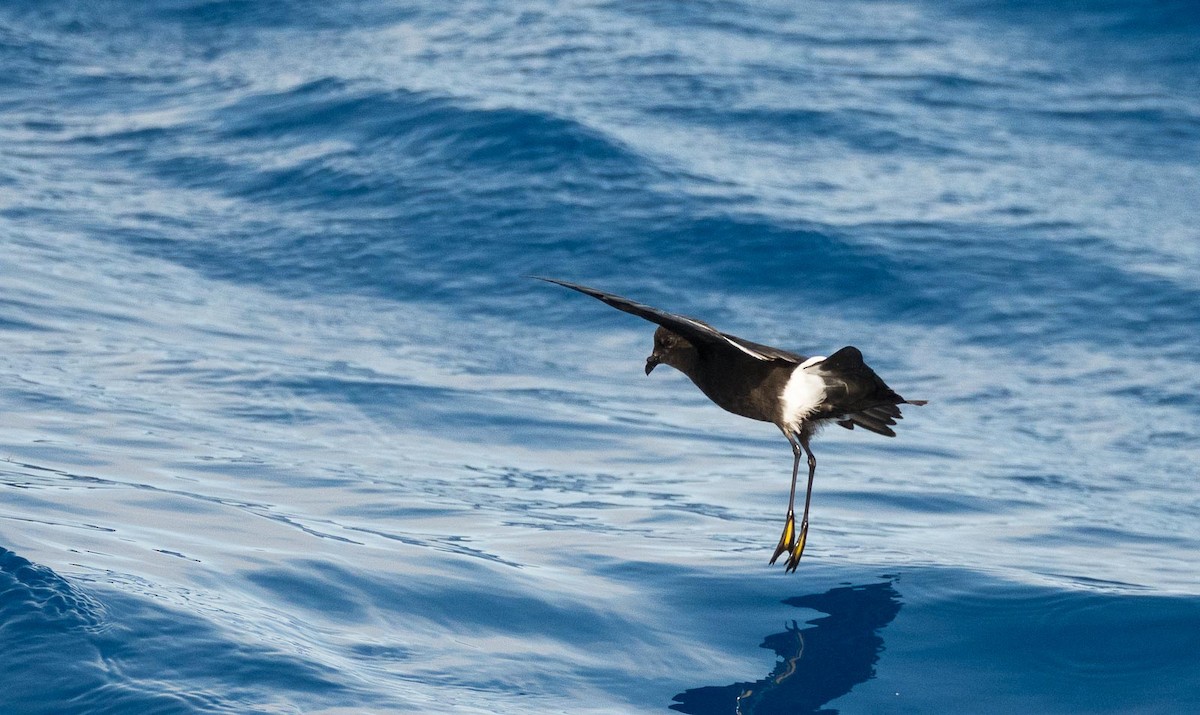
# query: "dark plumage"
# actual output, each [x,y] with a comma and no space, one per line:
[794,392]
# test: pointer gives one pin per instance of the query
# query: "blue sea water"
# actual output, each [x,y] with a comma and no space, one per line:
[287,428]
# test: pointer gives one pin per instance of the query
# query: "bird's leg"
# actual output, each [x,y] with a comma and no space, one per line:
[787,540]
[798,549]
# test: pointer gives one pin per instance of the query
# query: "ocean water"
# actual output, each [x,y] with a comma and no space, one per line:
[288,429]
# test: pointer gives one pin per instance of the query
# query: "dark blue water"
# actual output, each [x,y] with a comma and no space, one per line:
[286,428]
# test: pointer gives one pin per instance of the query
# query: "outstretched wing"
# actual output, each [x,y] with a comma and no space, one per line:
[694,331]
[854,390]
[876,419]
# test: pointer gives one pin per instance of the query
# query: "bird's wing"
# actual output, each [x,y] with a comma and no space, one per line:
[859,396]
[765,351]
[876,419]
[694,331]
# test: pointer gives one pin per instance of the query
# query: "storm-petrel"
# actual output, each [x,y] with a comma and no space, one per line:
[795,393]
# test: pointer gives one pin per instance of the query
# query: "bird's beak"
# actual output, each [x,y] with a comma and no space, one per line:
[652,362]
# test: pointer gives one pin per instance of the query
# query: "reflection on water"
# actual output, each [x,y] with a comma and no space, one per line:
[818,663]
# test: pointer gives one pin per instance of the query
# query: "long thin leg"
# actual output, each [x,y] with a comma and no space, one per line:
[798,549]
[787,540]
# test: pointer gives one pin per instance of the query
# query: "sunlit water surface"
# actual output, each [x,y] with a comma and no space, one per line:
[287,428]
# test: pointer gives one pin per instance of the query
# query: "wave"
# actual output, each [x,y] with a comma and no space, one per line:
[68,649]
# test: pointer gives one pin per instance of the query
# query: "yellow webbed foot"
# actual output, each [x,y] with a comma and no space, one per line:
[787,539]
[798,549]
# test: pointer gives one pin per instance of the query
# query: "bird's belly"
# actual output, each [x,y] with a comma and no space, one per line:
[751,391]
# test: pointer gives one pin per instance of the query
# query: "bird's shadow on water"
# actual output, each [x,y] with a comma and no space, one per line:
[817,663]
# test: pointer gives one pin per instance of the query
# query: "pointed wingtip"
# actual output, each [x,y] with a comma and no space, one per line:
[916,403]
[568,284]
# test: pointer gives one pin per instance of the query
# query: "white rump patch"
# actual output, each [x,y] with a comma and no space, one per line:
[804,391]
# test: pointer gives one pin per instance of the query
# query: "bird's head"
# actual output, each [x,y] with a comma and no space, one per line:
[670,349]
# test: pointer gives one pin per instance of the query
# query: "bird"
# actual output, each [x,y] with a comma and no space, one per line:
[797,393]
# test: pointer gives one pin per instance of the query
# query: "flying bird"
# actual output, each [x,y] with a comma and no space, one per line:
[797,394]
